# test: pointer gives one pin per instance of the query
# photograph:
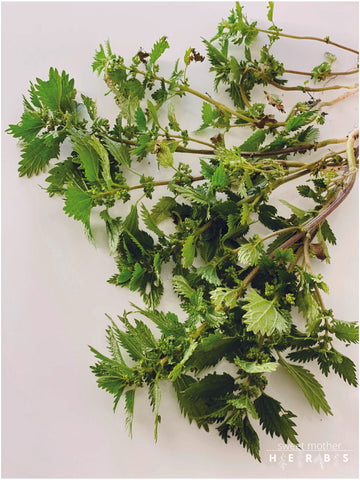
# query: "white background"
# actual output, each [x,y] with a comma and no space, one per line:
[56,422]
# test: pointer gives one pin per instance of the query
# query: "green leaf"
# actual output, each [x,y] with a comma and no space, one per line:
[113,230]
[168,323]
[213,385]
[254,367]
[137,277]
[153,112]
[37,154]
[131,344]
[261,315]
[327,233]
[149,222]
[88,156]
[206,115]
[220,177]
[29,126]
[158,49]
[100,60]
[244,403]
[181,286]
[129,409]
[163,209]
[211,350]
[294,123]
[224,298]
[295,210]
[191,194]
[188,251]
[155,398]
[176,371]
[164,156]
[208,273]
[90,106]
[140,120]
[249,253]
[78,204]
[104,159]
[309,385]
[270,13]
[345,368]
[253,143]
[120,152]
[274,419]
[189,408]
[346,331]
[309,307]
[57,93]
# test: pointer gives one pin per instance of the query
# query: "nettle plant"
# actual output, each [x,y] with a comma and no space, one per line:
[240,293]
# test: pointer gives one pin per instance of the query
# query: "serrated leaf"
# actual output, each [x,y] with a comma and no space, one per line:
[129,409]
[327,233]
[163,209]
[176,371]
[181,286]
[224,297]
[29,126]
[244,403]
[90,106]
[78,204]
[104,159]
[88,156]
[153,112]
[140,120]
[37,154]
[299,120]
[113,230]
[274,419]
[130,343]
[295,210]
[155,398]
[209,274]
[120,152]
[345,368]
[58,92]
[220,178]
[164,155]
[254,367]
[309,307]
[249,254]
[211,350]
[100,60]
[191,194]
[188,251]
[213,385]
[149,222]
[253,143]
[309,385]
[261,315]
[270,13]
[167,323]
[206,115]
[346,331]
[158,49]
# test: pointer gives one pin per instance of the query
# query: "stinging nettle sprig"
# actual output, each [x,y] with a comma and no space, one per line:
[239,292]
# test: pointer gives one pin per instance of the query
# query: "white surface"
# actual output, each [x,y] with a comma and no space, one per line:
[56,422]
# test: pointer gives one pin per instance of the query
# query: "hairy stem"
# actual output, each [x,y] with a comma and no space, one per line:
[317,39]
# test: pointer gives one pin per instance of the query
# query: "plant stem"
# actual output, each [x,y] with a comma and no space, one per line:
[338,99]
[297,37]
[206,98]
[331,74]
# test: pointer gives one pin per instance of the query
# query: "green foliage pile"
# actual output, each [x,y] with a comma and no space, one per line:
[238,291]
